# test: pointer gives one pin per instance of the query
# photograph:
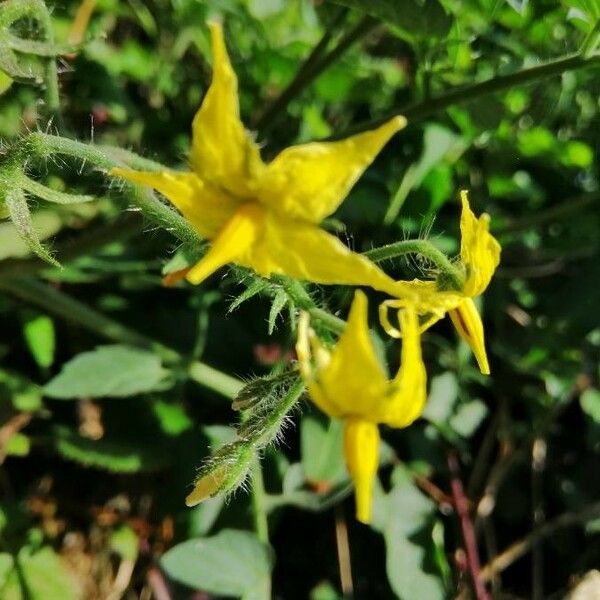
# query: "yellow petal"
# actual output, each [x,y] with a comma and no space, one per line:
[468,323]
[234,239]
[407,392]
[222,152]
[354,380]
[310,181]
[305,251]
[479,250]
[205,207]
[361,449]
[305,342]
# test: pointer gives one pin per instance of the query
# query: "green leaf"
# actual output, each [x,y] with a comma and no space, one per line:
[39,337]
[439,145]
[40,576]
[417,18]
[24,395]
[113,455]
[5,82]
[232,563]
[322,453]
[442,398]
[19,444]
[108,371]
[125,543]
[468,417]
[590,403]
[21,218]
[404,516]
[172,417]
[277,306]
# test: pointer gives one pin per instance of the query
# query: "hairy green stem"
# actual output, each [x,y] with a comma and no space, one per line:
[471,92]
[261,524]
[62,305]
[44,145]
[424,248]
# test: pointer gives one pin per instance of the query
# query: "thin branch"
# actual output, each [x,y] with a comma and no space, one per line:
[468,531]
[520,548]
[471,92]
[307,75]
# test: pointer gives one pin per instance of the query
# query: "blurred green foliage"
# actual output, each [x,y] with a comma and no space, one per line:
[102,420]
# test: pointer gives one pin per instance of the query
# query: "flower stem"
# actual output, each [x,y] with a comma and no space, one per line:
[261,524]
[424,248]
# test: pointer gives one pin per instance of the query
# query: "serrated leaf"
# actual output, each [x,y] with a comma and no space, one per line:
[277,306]
[114,371]
[39,337]
[256,287]
[21,218]
[112,455]
[231,563]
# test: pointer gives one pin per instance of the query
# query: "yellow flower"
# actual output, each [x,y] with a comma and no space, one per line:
[349,383]
[266,216]
[479,257]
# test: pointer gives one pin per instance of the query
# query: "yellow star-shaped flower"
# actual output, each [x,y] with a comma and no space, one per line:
[479,257]
[266,216]
[349,383]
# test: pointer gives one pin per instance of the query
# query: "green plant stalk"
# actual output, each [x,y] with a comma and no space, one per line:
[64,306]
[591,41]
[44,145]
[301,298]
[301,79]
[468,93]
[424,248]
[261,524]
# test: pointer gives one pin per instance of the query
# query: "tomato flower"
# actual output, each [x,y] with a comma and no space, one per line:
[266,216]
[479,257]
[349,383]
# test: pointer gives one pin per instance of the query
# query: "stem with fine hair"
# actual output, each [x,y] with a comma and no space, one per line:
[424,248]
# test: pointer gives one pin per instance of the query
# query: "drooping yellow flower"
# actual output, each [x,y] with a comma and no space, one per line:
[266,216]
[479,257]
[349,383]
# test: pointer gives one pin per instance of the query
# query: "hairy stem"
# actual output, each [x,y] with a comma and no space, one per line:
[424,248]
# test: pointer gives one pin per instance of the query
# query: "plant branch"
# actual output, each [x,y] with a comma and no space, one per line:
[461,504]
[62,305]
[515,551]
[468,93]
[311,69]
[424,248]
[301,79]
